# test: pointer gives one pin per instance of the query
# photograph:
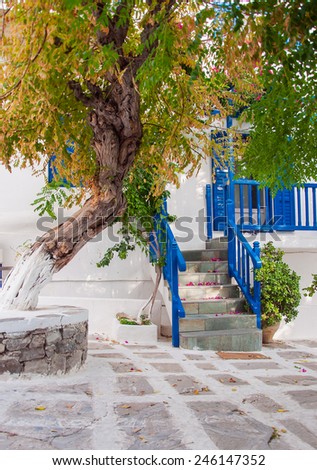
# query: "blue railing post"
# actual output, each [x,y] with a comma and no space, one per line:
[174,262]
[257,287]
[208,210]
[175,316]
[231,237]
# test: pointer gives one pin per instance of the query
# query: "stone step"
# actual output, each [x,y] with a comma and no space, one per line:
[217,244]
[194,307]
[208,292]
[206,266]
[214,322]
[246,339]
[205,255]
[195,278]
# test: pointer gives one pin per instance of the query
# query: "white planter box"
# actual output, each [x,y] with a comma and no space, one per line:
[138,334]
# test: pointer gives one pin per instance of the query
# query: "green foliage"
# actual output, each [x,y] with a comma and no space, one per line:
[312,289]
[46,48]
[281,38]
[56,193]
[280,292]
[138,220]
[127,321]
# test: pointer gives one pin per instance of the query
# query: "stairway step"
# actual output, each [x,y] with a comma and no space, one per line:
[206,266]
[214,322]
[194,307]
[246,339]
[217,278]
[208,292]
[217,243]
[205,255]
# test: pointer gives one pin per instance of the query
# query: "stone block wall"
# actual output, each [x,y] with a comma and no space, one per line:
[44,351]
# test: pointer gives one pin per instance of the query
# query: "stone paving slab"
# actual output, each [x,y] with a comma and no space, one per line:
[184,384]
[167,367]
[297,355]
[153,355]
[205,366]
[306,398]
[302,432]
[159,397]
[263,403]
[305,381]
[230,427]
[137,386]
[148,426]
[229,379]
[256,365]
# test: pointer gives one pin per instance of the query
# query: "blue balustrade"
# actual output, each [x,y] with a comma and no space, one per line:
[174,262]
[289,209]
[243,262]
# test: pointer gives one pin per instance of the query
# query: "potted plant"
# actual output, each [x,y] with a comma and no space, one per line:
[280,291]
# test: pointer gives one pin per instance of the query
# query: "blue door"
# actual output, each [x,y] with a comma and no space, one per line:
[219,188]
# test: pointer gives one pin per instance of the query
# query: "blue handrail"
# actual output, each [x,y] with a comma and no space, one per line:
[243,262]
[174,262]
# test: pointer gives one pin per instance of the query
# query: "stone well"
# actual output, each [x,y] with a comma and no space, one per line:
[48,340]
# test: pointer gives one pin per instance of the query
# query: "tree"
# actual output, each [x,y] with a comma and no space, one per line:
[125,84]
[281,38]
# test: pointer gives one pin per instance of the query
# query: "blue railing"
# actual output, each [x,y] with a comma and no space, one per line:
[243,262]
[258,210]
[305,207]
[174,262]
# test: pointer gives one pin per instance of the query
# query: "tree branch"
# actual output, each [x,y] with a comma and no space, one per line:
[80,95]
[30,61]
[3,15]
[151,26]
[113,33]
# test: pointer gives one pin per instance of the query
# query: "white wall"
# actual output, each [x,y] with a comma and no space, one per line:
[188,204]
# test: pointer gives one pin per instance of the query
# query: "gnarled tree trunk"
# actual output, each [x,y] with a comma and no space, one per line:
[114,116]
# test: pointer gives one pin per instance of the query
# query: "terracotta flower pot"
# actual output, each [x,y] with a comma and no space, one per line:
[268,332]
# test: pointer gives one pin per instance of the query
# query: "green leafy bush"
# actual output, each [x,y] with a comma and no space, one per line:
[280,291]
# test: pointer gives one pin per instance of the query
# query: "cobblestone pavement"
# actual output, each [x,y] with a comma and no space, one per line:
[158,397]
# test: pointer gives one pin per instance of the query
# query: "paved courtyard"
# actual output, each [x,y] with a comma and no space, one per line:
[158,397]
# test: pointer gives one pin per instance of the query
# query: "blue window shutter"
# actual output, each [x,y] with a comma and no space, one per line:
[219,198]
[284,210]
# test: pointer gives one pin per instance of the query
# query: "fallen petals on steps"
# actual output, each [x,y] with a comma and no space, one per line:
[207,283]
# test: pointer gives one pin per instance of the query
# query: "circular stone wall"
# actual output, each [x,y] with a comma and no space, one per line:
[48,340]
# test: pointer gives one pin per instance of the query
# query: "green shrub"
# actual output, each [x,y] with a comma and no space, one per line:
[280,291]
